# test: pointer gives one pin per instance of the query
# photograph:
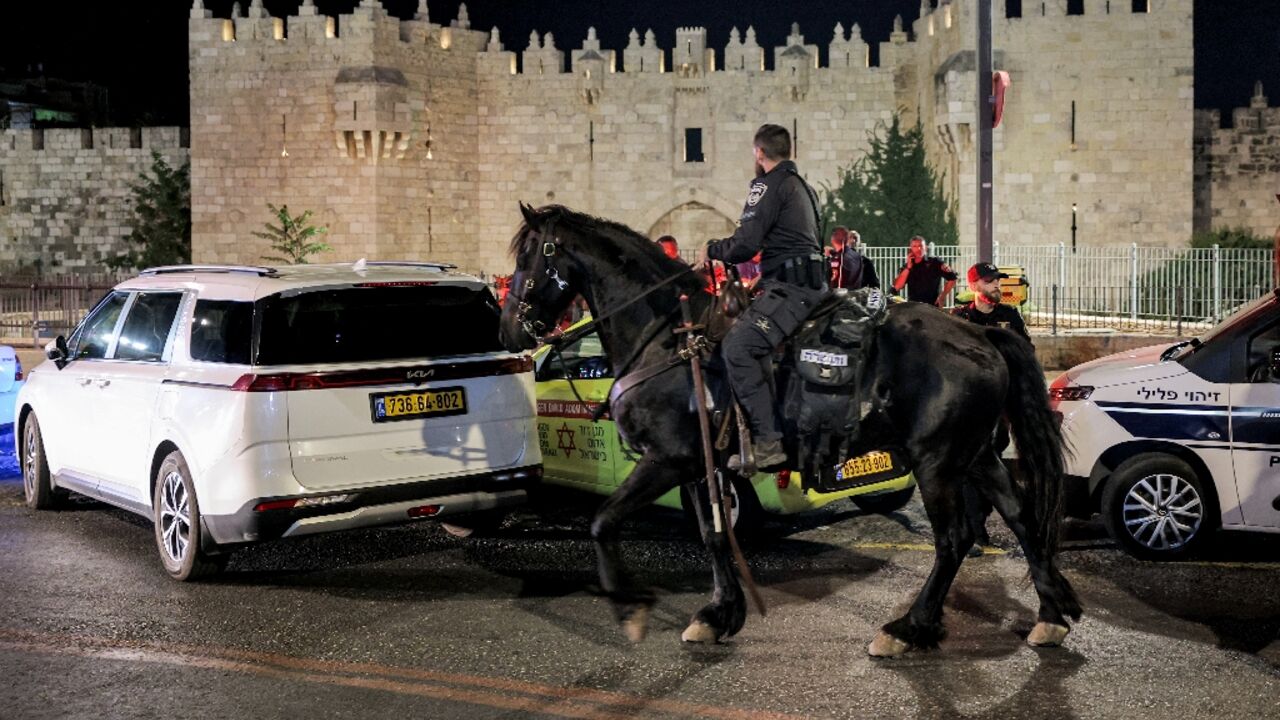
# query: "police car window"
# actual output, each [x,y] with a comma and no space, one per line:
[1258,359]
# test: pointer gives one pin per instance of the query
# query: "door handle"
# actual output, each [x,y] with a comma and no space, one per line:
[103,382]
[85,381]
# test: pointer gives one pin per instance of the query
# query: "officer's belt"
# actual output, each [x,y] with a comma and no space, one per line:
[803,270]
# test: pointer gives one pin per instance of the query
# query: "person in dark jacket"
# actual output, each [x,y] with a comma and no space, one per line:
[922,274]
[780,222]
[850,269]
[986,309]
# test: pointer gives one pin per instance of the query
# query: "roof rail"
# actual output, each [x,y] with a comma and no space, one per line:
[258,270]
[408,263]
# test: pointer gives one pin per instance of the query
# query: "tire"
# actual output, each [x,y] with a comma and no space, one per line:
[37,486]
[477,524]
[1139,510]
[745,513]
[883,503]
[176,512]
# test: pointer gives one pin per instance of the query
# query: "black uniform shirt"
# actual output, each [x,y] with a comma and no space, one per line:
[777,221]
[923,282]
[851,269]
[1001,316]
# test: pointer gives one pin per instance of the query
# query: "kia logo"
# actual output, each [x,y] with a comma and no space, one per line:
[421,374]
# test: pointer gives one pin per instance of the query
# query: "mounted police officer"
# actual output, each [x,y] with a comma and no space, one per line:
[779,221]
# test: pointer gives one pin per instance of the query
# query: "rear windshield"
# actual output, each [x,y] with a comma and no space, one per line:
[367,324]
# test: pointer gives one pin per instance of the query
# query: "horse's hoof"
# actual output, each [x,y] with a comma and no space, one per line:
[699,632]
[1046,634]
[636,624]
[886,645]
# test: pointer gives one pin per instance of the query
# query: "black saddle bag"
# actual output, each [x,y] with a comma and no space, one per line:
[828,355]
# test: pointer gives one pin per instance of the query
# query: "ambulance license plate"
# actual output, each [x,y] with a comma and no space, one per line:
[870,464]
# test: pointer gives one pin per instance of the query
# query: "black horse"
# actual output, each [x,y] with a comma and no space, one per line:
[946,384]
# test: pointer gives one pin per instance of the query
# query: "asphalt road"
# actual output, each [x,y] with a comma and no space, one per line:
[409,622]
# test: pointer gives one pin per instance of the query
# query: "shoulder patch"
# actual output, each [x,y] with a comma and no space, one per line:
[757,191]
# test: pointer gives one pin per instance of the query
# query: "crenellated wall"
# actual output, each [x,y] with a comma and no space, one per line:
[415,139]
[1237,168]
[65,197]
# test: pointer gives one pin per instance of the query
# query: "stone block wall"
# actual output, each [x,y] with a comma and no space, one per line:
[1123,160]
[65,197]
[1237,169]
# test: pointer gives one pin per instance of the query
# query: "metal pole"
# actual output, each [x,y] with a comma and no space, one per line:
[986,113]
[1054,321]
[1179,307]
[1217,283]
[1133,282]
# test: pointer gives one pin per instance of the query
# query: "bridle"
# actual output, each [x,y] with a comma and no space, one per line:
[536,328]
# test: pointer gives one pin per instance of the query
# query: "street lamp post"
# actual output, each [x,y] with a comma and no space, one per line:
[1073,227]
[986,120]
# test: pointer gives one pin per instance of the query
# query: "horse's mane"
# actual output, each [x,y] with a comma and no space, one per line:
[638,253]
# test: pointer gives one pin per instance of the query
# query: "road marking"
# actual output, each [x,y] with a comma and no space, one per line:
[568,702]
[914,547]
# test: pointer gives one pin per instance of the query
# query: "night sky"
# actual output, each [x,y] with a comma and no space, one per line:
[137,49]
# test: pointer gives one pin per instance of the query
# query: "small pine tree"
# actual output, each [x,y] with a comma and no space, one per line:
[891,194]
[292,239]
[161,232]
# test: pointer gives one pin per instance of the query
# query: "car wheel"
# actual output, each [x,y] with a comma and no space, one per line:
[37,486]
[1156,507]
[177,523]
[745,513]
[883,503]
[477,524]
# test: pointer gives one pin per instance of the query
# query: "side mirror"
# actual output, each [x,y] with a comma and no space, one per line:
[57,352]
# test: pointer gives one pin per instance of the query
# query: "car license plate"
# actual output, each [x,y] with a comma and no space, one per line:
[869,464]
[390,407]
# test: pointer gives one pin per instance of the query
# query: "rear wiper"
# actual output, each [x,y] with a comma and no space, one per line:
[1173,349]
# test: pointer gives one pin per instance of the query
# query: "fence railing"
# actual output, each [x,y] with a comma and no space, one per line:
[1121,287]
[1125,288]
[41,309]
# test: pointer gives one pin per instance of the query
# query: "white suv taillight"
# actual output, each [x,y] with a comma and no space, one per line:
[17,370]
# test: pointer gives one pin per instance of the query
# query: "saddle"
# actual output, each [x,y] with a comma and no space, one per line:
[818,390]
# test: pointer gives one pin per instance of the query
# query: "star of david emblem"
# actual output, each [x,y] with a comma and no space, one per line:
[564,439]
[763,324]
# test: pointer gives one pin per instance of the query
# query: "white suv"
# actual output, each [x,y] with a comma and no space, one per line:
[237,404]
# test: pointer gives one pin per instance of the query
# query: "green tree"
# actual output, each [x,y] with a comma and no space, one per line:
[161,233]
[891,193]
[294,240]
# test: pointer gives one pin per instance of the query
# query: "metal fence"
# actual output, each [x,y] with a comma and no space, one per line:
[1120,287]
[41,309]
[1124,288]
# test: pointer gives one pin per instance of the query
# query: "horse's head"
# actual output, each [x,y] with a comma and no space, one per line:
[546,280]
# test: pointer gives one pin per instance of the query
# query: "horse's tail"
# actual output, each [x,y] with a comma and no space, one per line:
[1036,433]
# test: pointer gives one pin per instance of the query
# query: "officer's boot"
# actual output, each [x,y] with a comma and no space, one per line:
[767,456]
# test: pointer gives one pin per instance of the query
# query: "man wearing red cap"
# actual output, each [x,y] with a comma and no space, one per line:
[986,308]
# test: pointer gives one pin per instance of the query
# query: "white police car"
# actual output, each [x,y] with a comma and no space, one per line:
[10,383]
[1172,441]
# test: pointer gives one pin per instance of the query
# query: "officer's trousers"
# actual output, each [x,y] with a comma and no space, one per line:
[748,350]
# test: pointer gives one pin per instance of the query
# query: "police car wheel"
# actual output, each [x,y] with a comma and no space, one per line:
[1156,508]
